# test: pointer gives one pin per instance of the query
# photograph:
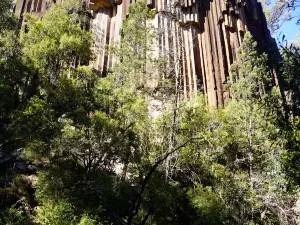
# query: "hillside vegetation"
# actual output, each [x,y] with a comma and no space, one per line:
[128,148]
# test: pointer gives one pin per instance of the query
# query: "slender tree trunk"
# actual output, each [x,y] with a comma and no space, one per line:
[250,158]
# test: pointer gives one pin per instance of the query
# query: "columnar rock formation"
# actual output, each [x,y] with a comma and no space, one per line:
[35,7]
[204,34]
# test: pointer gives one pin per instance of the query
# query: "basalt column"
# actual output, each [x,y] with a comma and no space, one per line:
[204,34]
[200,37]
[210,33]
[34,7]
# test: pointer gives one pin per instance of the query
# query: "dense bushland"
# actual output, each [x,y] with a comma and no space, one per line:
[76,148]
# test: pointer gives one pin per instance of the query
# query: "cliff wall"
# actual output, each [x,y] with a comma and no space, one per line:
[202,35]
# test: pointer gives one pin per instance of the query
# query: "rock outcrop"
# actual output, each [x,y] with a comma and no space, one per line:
[204,34]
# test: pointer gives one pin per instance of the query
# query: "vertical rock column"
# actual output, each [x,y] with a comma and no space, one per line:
[34,7]
[208,33]
[200,38]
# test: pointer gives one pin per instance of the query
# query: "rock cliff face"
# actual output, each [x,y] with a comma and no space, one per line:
[203,36]
[35,7]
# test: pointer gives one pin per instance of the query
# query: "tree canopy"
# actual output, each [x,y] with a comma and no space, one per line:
[76,148]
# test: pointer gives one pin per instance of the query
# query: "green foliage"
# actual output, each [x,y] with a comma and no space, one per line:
[15,88]
[136,64]
[105,155]
[55,213]
[211,207]
[252,74]
[237,154]
[14,85]
[290,76]
[7,19]
[14,216]
[86,220]
[292,156]
[57,42]
[290,124]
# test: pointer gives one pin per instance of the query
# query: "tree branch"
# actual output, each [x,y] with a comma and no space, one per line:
[134,209]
